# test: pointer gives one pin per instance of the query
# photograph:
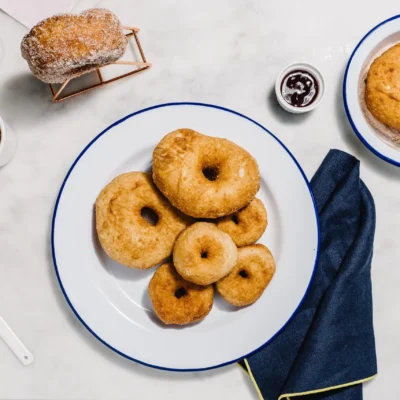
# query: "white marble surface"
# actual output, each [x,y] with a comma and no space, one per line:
[222,52]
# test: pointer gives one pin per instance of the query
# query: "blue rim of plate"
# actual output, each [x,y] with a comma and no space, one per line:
[346,106]
[55,215]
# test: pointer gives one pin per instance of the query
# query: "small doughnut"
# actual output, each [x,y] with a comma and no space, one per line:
[176,301]
[247,225]
[203,254]
[136,225]
[204,176]
[250,276]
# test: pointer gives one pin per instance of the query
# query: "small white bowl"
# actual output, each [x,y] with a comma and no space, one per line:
[8,143]
[302,67]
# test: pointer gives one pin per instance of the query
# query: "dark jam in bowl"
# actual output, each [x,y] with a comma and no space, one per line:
[299,88]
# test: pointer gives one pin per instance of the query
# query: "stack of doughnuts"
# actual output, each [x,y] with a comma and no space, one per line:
[199,207]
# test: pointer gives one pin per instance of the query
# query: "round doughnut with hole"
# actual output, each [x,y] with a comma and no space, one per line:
[177,301]
[203,253]
[136,225]
[204,176]
[248,279]
[247,225]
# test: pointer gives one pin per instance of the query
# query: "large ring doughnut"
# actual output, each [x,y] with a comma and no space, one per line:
[250,276]
[247,225]
[204,176]
[176,301]
[136,225]
[203,253]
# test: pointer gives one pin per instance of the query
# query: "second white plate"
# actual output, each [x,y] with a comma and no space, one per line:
[377,40]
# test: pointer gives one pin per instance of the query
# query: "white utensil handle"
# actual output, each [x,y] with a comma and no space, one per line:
[14,343]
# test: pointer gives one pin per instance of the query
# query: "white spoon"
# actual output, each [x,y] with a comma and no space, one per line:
[14,343]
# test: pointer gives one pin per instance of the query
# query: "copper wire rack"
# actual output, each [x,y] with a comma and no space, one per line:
[139,67]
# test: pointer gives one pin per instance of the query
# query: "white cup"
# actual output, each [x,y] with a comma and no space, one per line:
[8,143]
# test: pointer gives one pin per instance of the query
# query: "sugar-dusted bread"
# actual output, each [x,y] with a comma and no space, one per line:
[69,45]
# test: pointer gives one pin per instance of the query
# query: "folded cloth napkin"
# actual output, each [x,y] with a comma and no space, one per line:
[328,349]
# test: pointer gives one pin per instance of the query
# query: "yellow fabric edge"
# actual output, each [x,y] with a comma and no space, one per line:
[283,396]
[253,380]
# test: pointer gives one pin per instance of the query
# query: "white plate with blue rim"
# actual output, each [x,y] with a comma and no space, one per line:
[112,301]
[380,38]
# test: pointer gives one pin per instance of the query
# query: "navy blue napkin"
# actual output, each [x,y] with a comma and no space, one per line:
[328,349]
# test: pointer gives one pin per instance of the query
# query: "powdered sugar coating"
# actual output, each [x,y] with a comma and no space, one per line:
[69,45]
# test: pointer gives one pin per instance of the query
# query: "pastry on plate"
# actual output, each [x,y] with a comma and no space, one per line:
[136,224]
[204,176]
[382,92]
[203,253]
[247,225]
[176,301]
[248,279]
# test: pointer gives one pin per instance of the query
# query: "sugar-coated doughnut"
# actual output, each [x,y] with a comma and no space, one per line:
[204,176]
[203,253]
[248,279]
[136,224]
[68,45]
[176,301]
[247,225]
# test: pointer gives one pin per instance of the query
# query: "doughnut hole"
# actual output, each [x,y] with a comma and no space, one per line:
[213,167]
[211,173]
[243,273]
[149,215]
[208,249]
[180,292]
[235,219]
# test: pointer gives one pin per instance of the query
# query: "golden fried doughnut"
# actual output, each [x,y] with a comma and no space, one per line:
[382,92]
[247,225]
[69,45]
[124,232]
[203,254]
[176,301]
[250,276]
[204,176]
